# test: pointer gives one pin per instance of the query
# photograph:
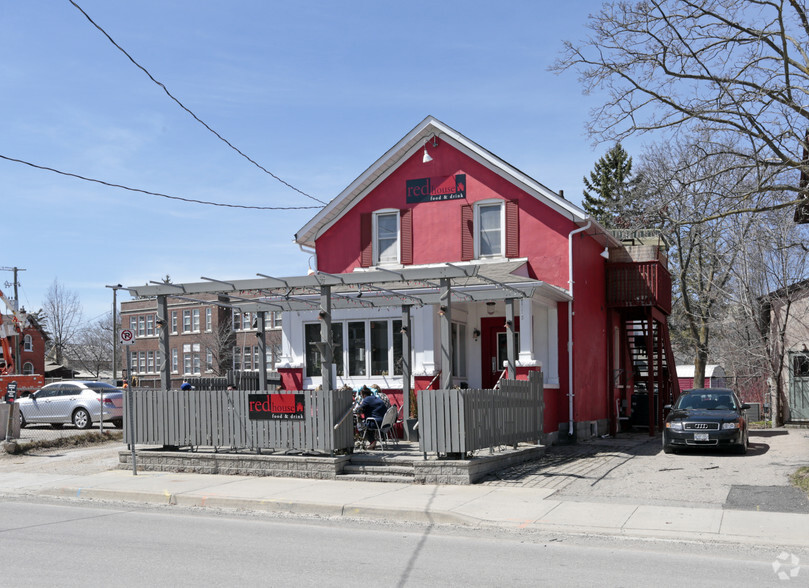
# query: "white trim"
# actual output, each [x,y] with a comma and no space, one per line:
[478,226]
[375,236]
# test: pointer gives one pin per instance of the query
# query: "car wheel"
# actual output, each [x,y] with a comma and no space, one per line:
[23,422]
[119,423]
[81,418]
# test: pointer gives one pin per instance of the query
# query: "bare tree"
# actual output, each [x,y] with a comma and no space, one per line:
[93,348]
[220,343]
[63,313]
[735,71]
[767,284]
[684,185]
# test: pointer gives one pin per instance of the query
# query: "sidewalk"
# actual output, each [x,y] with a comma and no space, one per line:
[475,506]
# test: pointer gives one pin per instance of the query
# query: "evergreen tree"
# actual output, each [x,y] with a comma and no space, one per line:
[608,192]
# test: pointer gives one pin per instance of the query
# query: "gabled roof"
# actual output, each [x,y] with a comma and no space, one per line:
[405,148]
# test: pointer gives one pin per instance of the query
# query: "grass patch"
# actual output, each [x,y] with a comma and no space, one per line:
[801,479]
[83,440]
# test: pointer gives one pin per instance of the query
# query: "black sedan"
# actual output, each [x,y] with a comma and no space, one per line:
[706,417]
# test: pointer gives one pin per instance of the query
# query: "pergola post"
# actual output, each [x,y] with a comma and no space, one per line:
[262,348]
[407,370]
[165,351]
[445,317]
[325,346]
[510,351]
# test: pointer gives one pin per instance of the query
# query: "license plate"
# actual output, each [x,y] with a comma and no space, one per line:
[701,437]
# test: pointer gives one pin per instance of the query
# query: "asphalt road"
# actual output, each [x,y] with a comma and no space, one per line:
[69,545]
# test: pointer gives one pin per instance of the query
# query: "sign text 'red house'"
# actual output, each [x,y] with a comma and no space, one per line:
[282,407]
[436,189]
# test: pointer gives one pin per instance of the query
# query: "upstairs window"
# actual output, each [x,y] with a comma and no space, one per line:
[386,237]
[490,229]
[28,343]
[489,234]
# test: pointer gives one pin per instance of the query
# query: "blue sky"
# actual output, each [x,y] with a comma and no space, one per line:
[313,91]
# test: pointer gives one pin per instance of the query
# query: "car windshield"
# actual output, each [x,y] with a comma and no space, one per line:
[707,401]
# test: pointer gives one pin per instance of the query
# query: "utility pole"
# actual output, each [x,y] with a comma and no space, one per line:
[16,310]
[115,289]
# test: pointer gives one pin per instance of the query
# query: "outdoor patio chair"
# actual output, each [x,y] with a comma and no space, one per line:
[386,430]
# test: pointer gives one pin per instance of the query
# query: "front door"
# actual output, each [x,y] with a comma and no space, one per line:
[799,387]
[494,348]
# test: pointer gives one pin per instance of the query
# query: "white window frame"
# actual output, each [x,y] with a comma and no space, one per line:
[187,320]
[173,322]
[195,320]
[208,319]
[27,368]
[397,247]
[27,343]
[175,360]
[477,224]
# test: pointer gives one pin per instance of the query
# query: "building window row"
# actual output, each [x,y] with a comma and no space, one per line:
[248,321]
[360,348]
[143,325]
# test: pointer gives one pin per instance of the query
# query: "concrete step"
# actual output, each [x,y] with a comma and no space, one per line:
[401,470]
[398,479]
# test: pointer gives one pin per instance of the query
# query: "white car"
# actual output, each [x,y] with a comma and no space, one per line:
[73,401]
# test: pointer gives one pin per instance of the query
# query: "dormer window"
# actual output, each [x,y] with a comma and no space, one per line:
[386,237]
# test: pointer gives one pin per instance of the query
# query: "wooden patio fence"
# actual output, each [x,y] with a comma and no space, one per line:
[460,421]
[219,419]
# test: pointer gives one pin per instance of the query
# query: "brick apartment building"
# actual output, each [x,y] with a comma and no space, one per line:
[208,339]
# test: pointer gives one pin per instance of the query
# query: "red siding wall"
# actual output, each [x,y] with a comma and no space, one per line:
[437,225]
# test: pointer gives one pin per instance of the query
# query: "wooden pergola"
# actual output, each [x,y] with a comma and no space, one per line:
[439,285]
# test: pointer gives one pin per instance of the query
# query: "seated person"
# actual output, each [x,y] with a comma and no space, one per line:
[371,407]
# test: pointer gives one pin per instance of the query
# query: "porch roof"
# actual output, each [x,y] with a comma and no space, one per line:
[374,288]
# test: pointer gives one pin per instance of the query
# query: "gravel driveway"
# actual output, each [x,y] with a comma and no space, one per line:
[632,468]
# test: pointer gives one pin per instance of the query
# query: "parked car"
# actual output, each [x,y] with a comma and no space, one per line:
[706,417]
[75,401]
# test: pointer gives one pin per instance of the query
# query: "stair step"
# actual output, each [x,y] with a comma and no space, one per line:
[378,469]
[376,478]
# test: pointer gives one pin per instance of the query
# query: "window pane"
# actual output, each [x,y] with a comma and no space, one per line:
[397,348]
[490,230]
[312,336]
[356,349]
[387,237]
[379,348]
[337,346]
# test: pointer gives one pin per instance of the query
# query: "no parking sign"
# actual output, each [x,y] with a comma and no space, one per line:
[127,337]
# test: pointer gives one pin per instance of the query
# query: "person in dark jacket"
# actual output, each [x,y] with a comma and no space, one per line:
[371,407]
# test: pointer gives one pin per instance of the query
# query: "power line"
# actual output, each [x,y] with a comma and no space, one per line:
[181,105]
[192,200]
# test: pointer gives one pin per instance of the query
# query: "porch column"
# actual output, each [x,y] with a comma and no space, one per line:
[325,346]
[527,355]
[164,351]
[510,355]
[262,349]
[407,370]
[445,317]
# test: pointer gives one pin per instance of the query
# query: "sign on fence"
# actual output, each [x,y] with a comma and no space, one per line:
[282,407]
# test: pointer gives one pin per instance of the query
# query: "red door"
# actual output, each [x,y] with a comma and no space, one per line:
[494,348]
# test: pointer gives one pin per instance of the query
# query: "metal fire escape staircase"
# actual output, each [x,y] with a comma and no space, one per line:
[639,292]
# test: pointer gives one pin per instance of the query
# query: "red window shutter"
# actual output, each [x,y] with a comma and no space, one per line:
[467,233]
[512,229]
[406,236]
[366,236]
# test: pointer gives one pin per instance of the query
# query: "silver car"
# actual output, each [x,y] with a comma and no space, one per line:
[74,401]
